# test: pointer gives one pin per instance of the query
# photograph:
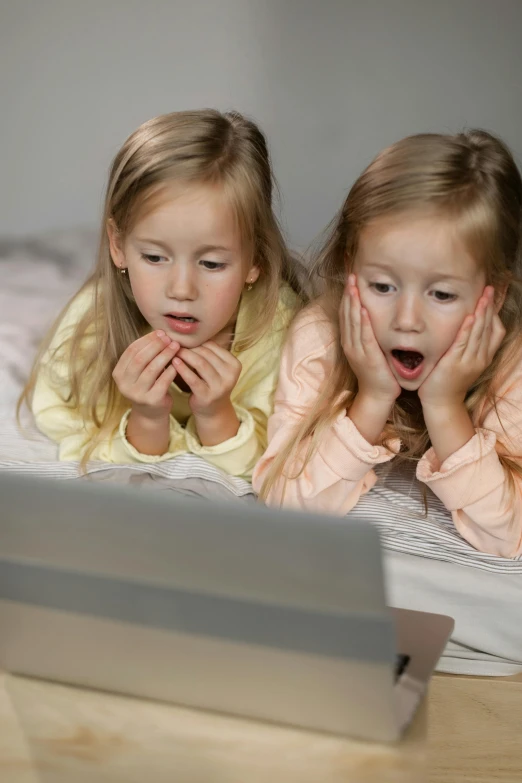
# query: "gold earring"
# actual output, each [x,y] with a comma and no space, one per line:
[250,285]
[123,270]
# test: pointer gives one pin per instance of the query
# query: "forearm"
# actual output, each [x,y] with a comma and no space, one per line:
[477,491]
[449,427]
[370,416]
[148,435]
[336,475]
[218,427]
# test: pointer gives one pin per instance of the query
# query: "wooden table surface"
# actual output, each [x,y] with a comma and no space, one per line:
[58,734]
[52,733]
[475,729]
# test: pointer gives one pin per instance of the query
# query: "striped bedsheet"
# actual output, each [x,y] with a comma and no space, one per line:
[394,505]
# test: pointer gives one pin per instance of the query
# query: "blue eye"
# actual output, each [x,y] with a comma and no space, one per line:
[212,266]
[153,259]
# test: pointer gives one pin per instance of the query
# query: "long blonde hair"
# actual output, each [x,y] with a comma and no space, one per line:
[206,147]
[470,177]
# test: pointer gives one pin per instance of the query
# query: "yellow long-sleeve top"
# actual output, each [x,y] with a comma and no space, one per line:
[252,398]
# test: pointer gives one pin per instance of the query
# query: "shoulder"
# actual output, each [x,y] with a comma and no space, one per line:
[68,320]
[507,384]
[310,351]
[312,331]
[502,410]
[287,307]
[308,357]
[303,330]
[272,338]
[79,305]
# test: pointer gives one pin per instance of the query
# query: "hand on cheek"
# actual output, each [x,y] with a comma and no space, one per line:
[362,350]
[443,392]
[472,351]
[377,387]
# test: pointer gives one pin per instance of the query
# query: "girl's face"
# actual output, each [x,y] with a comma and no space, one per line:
[186,265]
[418,282]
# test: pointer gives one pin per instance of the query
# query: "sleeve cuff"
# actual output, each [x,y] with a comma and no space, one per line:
[177,443]
[244,434]
[348,454]
[467,475]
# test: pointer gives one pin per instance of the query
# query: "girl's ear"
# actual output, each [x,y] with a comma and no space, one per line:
[253,274]
[115,245]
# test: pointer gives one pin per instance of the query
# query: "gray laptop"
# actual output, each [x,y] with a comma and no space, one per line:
[278,616]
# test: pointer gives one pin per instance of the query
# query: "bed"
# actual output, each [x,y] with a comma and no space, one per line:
[428,565]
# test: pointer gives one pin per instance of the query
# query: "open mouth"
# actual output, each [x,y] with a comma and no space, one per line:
[409,359]
[408,364]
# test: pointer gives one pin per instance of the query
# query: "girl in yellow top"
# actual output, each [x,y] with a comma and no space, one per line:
[173,344]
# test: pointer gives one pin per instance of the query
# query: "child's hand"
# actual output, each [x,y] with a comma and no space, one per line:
[473,349]
[362,350]
[211,372]
[144,374]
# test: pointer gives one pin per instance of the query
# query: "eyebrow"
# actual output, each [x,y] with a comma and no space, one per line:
[200,250]
[437,277]
[210,248]
[147,241]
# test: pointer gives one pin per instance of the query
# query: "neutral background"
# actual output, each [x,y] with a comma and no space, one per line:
[330,82]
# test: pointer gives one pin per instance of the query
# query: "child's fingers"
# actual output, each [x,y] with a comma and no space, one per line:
[219,361]
[344,318]
[483,314]
[355,318]
[351,322]
[192,379]
[228,367]
[463,335]
[161,387]
[196,361]
[133,349]
[154,368]
[490,312]
[128,373]
[142,352]
[367,334]
[487,333]
[217,350]
[152,338]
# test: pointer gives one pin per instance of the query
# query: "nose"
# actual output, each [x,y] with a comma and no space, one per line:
[181,284]
[409,315]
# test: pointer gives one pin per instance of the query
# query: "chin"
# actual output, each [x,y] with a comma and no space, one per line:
[410,385]
[187,340]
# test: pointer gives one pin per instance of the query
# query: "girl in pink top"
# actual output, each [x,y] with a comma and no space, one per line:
[413,350]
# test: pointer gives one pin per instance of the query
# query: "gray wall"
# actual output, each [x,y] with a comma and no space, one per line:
[330,81]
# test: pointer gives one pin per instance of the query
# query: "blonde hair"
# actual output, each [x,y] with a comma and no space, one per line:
[204,147]
[469,177]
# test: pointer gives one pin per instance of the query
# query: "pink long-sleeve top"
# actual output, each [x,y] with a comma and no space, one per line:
[484,497]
